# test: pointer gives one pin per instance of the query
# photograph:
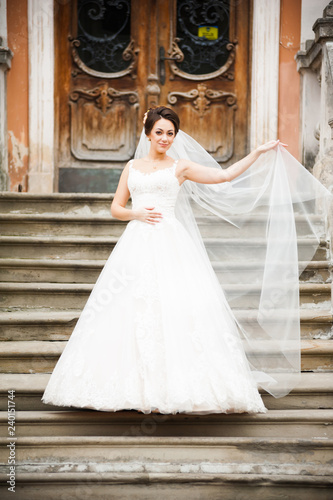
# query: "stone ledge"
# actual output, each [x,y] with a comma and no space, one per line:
[169,486]
[61,197]
[268,455]
[128,416]
[113,478]
[28,348]
[36,382]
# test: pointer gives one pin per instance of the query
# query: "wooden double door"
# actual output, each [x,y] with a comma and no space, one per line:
[117,58]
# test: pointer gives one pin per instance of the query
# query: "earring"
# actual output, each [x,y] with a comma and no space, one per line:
[149,139]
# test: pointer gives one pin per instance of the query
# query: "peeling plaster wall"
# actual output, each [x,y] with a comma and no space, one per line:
[18,95]
[19,152]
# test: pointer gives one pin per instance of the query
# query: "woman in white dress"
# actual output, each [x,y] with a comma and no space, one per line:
[157,334]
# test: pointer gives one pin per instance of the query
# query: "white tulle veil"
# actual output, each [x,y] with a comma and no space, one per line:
[267,225]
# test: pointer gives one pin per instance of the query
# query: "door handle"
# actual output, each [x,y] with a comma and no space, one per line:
[162,64]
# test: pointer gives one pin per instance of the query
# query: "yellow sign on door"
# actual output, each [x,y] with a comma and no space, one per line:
[209,32]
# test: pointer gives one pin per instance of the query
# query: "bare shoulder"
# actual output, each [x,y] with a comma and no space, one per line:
[124,173]
[129,163]
[138,162]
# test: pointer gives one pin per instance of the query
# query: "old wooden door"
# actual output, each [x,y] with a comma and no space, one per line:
[116,58]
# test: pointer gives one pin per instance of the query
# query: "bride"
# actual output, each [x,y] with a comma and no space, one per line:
[157,333]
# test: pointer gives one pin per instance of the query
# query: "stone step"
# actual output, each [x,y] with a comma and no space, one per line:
[311,295]
[35,356]
[315,391]
[60,225]
[85,224]
[142,485]
[77,203]
[274,423]
[59,324]
[87,271]
[236,455]
[52,247]
[317,355]
[66,453]
[247,272]
[74,295]
[37,325]
[99,248]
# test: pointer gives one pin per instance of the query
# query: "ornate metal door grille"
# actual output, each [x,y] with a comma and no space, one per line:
[103,34]
[201,54]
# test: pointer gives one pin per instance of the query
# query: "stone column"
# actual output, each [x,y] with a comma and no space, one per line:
[323,168]
[41,96]
[309,66]
[265,71]
[5,62]
[315,64]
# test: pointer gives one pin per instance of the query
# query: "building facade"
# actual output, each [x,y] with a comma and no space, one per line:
[77,77]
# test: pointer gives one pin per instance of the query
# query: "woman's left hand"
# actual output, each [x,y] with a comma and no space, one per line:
[270,145]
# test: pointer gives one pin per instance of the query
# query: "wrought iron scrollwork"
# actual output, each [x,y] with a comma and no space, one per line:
[202,58]
[103,46]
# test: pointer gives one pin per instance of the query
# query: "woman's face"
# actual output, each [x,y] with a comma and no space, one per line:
[162,135]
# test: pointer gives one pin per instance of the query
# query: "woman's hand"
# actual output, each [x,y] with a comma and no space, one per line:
[269,145]
[147,215]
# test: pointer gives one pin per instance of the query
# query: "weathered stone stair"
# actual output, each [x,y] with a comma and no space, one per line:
[52,250]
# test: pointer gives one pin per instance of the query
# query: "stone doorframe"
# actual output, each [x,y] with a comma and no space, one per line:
[41,96]
[265,72]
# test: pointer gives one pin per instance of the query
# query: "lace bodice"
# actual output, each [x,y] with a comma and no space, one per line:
[159,189]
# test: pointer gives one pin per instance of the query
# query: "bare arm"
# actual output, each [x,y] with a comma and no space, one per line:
[121,197]
[198,173]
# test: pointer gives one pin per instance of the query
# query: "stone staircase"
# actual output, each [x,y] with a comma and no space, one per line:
[52,250]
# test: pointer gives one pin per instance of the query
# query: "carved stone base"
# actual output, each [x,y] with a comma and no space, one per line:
[323,170]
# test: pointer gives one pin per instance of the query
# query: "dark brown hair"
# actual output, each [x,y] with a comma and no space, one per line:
[155,114]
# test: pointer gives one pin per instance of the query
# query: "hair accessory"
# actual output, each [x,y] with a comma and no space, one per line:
[145,116]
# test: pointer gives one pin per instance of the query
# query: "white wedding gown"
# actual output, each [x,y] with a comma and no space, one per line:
[153,334]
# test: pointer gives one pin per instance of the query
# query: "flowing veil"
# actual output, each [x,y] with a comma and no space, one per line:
[267,224]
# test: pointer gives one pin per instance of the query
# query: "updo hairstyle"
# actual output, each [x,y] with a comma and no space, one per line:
[155,114]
